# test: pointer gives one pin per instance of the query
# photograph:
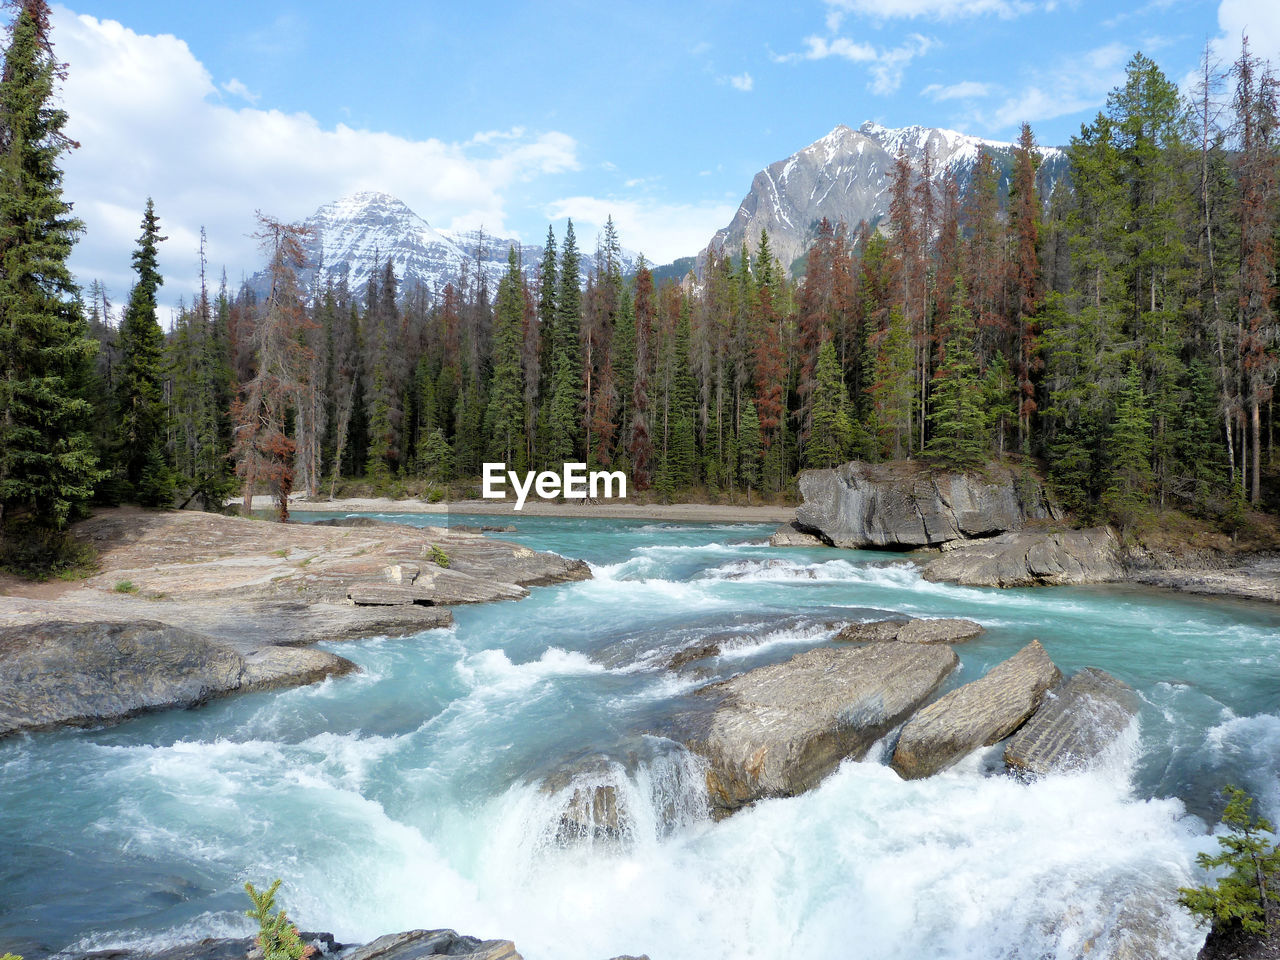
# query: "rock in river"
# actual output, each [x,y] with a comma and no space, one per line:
[975,715]
[940,630]
[99,672]
[793,535]
[778,730]
[1031,558]
[1076,722]
[905,504]
[433,943]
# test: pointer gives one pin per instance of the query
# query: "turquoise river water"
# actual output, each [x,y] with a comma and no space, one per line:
[408,795]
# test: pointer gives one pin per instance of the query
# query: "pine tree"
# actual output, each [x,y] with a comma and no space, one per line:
[1127,495]
[957,420]
[47,464]
[566,397]
[505,419]
[140,406]
[830,437]
[893,387]
[749,449]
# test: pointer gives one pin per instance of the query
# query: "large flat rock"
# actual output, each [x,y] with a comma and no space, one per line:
[975,715]
[934,630]
[904,504]
[1076,722]
[96,672]
[778,730]
[414,944]
[1031,558]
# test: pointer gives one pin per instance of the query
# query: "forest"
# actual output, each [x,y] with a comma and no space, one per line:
[1118,335]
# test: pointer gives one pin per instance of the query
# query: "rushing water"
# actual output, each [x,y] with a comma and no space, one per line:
[408,795]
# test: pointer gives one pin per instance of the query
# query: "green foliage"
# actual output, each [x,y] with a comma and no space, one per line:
[277,937]
[435,458]
[1127,495]
[32,550]
[439,557]
[125,586]
[140,404]
[47,464]
[1247,893]
[958,420]
[505,418]
[832,437]
[10,956]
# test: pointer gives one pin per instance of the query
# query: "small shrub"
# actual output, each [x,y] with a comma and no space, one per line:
[1247,894]
[125,586]
[279,553]
[37,553]
[439,557]
[277,937]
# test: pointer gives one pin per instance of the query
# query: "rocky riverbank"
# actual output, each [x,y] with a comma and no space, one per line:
[188,606]
[409,945]
[997,527]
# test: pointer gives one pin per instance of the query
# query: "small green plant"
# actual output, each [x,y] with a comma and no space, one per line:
[125,586]
[1247,893]
[10,956]
[277,937]
[439,557]
[279,553]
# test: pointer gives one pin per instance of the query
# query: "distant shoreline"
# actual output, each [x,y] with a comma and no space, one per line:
[684,512]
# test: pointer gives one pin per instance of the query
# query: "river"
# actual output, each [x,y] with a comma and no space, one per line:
[407,796]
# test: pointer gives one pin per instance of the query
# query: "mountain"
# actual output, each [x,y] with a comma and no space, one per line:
[351,235]
[848,174]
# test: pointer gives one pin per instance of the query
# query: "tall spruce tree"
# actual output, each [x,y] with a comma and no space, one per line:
[140,403]
[47,464]
[957,421]
[505,419]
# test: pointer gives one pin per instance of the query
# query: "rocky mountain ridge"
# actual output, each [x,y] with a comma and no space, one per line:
[847,175]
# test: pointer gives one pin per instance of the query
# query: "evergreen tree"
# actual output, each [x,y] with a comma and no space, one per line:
[566,398]
[749,449]
[140,403]
[830,438]
[505,420]
[957,420]
[1127,496]
[47,464]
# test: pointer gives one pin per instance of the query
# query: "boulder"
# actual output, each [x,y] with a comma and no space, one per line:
[433,943]
[1031,558]
[93,672]
[211,948]
[776,731]
[941,630]
[975,715]
[592,811]
[793,535]
[1076,722]
[904,504]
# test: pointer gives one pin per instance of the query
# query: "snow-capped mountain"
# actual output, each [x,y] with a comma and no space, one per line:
[349,237]
[847,175]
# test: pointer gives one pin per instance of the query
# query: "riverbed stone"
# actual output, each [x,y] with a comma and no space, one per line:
[940,630]
[1031,558]
[1076,722]
[904,504]
[975,715]
[413,944]
[793,535]
[778,730]
[96,672]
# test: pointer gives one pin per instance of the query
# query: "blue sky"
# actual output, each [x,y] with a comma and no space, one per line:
[513,115]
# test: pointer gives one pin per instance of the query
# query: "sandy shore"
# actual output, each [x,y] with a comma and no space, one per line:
[682,512]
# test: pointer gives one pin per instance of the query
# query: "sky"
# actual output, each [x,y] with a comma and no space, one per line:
[515,115]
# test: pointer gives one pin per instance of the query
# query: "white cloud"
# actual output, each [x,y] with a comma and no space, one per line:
[926,9]
[964,90]
[151,122]
[238,89]
[1070,86]
[742,81]
[1259,21]
[886,65]
[661,231]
